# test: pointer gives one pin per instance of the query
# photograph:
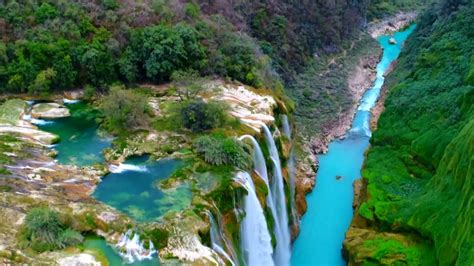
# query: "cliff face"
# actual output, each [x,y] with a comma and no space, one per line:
[415,204]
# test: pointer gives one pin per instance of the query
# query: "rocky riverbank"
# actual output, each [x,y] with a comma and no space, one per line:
[360,78]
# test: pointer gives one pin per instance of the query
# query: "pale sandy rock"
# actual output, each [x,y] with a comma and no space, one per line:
[32,134]
[154,103]
[82,259]
[251,108]
[392,24]
[108,217]
[74,95]
[49,110]
[184,242]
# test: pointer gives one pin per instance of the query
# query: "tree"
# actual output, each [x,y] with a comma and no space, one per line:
[199,116]
[44,12]
[67,77]
[98,64]
[161,50]
[187,84]
[125,110]
[222,151]
[42,83]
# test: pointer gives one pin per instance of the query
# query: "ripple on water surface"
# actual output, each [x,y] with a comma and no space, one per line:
[330,204]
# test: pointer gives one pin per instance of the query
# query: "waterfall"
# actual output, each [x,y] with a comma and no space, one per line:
[258,159]
[123,167]
[286,126]
[217,240]
[282,251]
[291,168]
[228,243]
[255,238]
[132,249]
[260,168]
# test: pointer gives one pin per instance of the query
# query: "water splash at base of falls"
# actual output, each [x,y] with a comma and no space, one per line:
[131,249]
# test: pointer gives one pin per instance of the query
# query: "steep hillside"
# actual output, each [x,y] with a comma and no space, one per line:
[418,175]
[291,33]
[43,38]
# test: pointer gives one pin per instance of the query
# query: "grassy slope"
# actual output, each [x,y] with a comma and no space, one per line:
[420,167]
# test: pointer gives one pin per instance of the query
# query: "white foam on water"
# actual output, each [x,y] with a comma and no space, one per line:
[68,101]
[131,249]
[40,122]
[123,167]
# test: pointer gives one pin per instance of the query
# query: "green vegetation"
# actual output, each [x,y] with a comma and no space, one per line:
[11,110]
[420,168]
[43,230]
[125,110]
[9,144]
[218,150]
[381,8]
[158,236]
[200,116]
[392,251]
[321,91]
[60,45]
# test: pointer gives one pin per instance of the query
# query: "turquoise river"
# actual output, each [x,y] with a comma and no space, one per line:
[330,204]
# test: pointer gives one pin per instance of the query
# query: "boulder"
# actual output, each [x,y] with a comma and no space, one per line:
[49,110]
[31,134]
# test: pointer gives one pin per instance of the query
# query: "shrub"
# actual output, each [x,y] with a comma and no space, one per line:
[200,116]
[187,84]
[125,110]
[43,230]
[222,151]
[159,237]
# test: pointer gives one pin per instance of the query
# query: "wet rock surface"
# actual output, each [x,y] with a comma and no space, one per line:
[49,111]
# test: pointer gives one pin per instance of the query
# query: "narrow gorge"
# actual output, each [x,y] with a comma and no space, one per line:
[255,133]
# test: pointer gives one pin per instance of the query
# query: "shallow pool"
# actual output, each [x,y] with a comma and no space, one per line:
[132,188]
[80,142]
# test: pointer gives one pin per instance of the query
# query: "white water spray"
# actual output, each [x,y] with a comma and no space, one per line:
[132,249]
[68,101]
[123,167]
[282,251]
[291,168]
[255,238]
[260,168]
[217,241]
[38,122]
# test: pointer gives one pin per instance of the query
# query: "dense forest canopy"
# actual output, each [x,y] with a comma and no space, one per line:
[59,45]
